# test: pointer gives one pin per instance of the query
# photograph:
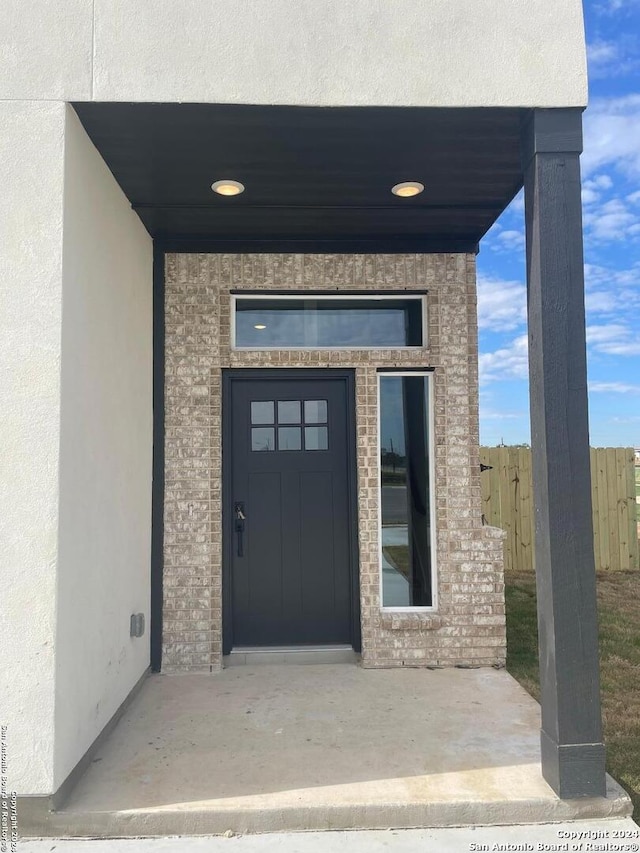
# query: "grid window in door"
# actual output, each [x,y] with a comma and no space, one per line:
[287,425]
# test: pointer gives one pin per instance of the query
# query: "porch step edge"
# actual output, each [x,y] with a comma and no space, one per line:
[248,655]
[217,819]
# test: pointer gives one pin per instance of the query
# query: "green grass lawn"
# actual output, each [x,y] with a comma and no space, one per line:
[619,613]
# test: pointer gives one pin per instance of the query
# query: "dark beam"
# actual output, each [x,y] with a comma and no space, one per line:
[157,487]
[573,754]
[218,207]
[308,245]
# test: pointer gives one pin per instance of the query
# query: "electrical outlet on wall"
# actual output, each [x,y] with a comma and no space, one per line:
[137,625]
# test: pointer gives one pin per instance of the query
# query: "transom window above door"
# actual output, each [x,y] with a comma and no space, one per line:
[321,321]
[289,425]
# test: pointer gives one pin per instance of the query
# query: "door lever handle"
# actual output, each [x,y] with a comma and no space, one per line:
[239,520]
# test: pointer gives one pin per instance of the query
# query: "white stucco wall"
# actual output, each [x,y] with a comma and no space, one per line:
[31,212]
[307,52]
[105,450]
[46,49]
[75,442]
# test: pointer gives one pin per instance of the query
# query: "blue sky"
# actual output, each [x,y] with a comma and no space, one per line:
[611,202]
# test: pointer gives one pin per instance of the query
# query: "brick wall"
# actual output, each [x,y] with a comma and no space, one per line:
[468,627]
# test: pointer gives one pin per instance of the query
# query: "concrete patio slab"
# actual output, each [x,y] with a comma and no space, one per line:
[286,748]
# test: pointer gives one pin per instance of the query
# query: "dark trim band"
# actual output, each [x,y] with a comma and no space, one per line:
[157,489]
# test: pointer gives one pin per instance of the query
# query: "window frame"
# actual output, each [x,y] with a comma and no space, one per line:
[433,607]
[365,296]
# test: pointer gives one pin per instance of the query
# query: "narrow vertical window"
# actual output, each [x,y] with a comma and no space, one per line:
[405,491]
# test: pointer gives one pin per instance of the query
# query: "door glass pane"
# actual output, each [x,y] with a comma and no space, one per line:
[405,493]
[289,438]
[263,438]
[316,438]
[315,411]
[262,412]
[289,412]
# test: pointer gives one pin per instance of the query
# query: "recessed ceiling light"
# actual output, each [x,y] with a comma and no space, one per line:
[407,189]
[227,187]
[259,326]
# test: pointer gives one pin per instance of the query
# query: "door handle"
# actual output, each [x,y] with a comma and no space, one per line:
[238,523]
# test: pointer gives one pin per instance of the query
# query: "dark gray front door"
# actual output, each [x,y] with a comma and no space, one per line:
[290,512]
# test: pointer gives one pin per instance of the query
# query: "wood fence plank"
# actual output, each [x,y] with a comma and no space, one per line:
[594,504]
[496,499]
[507,502]
[524,462]
[487,480]
[612,509]
[622,509]
[633,515]
[601,459]
[632,520]
[505,508]
[514,497]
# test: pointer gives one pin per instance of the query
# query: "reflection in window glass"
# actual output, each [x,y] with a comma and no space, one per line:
[289,438]
[405,495]
[262,412]
[289,412]
[316,438]
[263,438]
[312,322]
[315,411]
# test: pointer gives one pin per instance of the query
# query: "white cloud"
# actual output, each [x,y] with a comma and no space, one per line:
[611,221]
[610,7]
[599,276]
[626,347]
[612,135]
[600,52]
[592,188]
[613,388]
[507,240]
[613,58]
[613,339]
[517,205]
[601,182]
[589,196]
[605,333]
[603,58]
[502,305]
[500,416]
[510,362]
[602,302]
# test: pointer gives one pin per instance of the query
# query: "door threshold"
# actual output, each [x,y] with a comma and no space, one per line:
[249,655]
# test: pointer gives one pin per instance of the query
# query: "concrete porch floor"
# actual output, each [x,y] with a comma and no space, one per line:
[294,747]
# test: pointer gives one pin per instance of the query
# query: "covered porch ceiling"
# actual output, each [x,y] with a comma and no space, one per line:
[313,177]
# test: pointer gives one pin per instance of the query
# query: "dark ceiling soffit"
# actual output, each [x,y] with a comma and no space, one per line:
[433,244]
[466,152]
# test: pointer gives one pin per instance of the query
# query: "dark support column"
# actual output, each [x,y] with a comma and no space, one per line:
[573,754]
[157,488]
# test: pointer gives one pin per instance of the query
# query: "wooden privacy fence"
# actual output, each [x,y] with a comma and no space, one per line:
[507,498]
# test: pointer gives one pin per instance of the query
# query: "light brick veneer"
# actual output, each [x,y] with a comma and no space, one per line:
[469,625]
